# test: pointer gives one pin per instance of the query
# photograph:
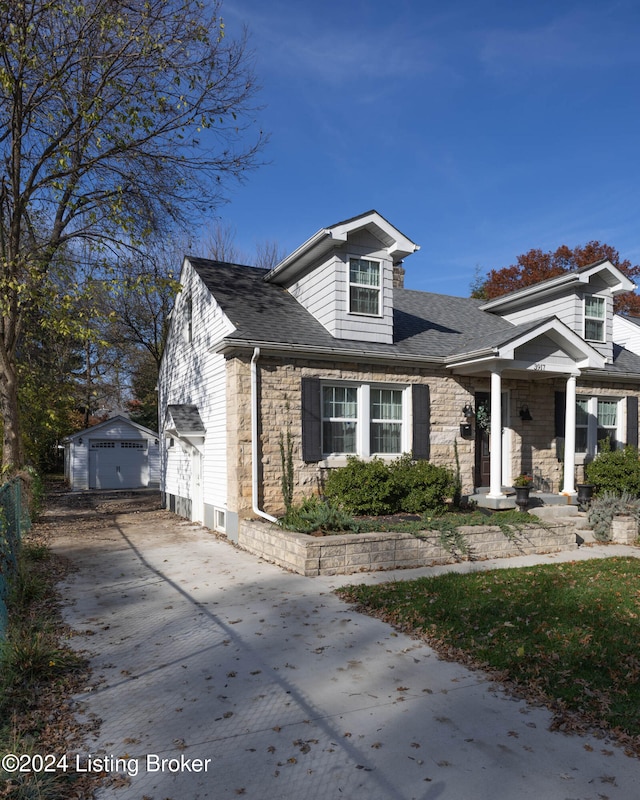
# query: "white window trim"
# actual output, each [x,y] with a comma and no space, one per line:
[364,286]
[220,519]
[592,424]
[602,320]
[363,422]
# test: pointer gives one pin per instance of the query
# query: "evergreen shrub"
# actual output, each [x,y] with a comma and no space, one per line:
[377,487]
[615,471]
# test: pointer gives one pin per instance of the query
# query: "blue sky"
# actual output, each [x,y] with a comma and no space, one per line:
[479,129]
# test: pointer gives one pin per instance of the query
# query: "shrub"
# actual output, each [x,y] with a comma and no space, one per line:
[605,507]
[615,471]
[363,487]
[314,514]
[421,485]
[375,487]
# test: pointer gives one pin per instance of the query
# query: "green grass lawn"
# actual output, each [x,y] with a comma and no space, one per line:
[566,634]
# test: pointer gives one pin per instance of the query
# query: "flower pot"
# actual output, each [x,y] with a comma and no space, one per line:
[585,495]
[522,497]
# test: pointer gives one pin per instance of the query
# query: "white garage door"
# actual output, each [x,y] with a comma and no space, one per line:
[118,464]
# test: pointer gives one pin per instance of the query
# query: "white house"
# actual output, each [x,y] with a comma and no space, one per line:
[329,353]
[115,454]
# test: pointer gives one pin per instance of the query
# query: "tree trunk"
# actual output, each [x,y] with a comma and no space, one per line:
[12,455]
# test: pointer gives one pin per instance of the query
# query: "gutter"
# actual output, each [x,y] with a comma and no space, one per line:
[228,346]
[254,438]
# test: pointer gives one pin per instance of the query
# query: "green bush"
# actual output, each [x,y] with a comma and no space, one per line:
[615,471]
[376,487]
[421,485]
[314,514]
[363,487]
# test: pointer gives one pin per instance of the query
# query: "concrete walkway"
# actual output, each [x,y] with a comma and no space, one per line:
[274,689]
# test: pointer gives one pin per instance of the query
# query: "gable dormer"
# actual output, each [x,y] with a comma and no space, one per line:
[344,276]
[582,299]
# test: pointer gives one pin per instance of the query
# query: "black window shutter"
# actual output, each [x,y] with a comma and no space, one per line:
[632,420]
[560,418]
[421,420]
[311,420]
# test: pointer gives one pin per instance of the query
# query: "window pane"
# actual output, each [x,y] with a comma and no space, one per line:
[593,330]
[606,434]
[607,413]
[582,415]
[364,272]
[385,437]
[594,307]
[364,301]
[340,401]
[386,404]
[581,440]
[338,437]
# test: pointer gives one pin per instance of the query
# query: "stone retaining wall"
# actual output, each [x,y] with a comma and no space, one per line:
[346,553]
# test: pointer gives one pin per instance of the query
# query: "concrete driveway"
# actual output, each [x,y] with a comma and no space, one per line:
[217,675]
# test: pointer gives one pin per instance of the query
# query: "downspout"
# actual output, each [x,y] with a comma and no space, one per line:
[254,438]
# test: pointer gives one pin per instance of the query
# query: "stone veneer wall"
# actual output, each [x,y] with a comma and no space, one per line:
[343,554]
[280,391]
[533,445]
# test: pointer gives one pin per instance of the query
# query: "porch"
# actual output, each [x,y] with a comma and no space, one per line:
[482,499]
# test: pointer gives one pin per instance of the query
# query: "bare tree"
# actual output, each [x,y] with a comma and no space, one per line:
[116,119]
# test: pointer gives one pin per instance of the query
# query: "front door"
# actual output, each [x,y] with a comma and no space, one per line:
[482,475]
[483,460]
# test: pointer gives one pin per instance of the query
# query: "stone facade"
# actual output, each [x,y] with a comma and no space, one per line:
[531,442]
[349,553]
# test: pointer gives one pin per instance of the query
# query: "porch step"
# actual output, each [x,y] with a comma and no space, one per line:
[536,500]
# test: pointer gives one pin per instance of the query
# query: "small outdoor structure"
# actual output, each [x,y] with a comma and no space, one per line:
[115,454]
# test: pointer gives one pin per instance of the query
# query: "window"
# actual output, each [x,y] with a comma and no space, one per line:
[597,418]
[220,520]
[188,318]
[364,420]
[364,286]
[386,421]
[594,309]
[339,419]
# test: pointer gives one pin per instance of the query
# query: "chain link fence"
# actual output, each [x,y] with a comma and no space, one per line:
[14,520]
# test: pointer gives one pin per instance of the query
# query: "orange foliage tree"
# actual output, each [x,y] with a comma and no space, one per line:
[536,266]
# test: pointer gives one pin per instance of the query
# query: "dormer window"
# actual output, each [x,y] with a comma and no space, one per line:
[364,286]
[594,310]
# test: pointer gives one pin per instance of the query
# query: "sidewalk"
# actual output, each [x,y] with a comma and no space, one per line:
[251,681]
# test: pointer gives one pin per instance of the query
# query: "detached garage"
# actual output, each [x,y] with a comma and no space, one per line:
[116,454]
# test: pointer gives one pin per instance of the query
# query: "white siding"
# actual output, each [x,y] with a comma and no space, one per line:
[569,308]
[191,374]
[626,334]
[543,352]
[324,292]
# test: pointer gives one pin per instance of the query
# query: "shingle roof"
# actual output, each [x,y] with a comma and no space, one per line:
[186,418]
[426,325]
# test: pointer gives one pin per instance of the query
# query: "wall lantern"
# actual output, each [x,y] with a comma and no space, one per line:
[468,411]
[525,414]
[80,440]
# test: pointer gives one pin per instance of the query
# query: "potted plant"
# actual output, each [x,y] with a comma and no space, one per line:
[522,485]
[585,495]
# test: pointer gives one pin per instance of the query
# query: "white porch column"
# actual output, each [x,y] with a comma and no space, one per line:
[495,440]
[570,438]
